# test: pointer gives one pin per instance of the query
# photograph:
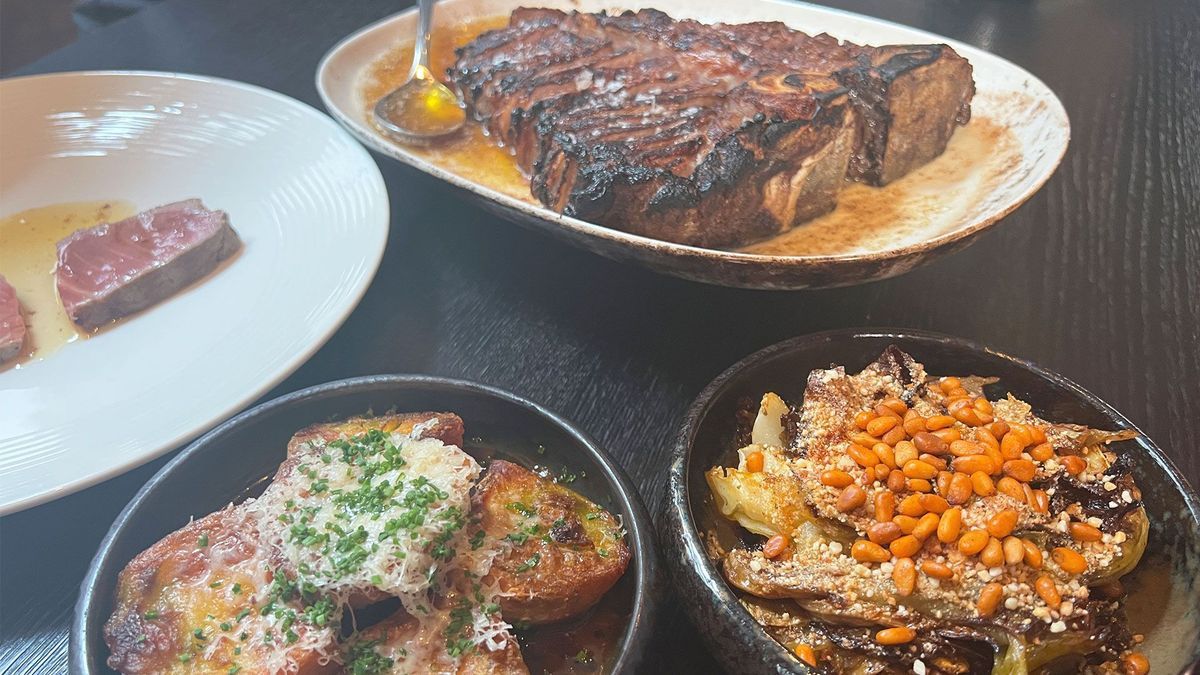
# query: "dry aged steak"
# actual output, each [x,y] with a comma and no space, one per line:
[115,269]
[712,135]
[12,324]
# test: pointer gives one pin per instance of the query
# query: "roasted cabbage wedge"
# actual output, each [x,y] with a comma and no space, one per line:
[861,569]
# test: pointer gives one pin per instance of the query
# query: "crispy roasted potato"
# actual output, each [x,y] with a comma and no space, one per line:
[401,637]
[560,552]
[446,427]
[189,604]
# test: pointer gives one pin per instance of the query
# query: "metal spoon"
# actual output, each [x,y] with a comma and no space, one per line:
[422,109]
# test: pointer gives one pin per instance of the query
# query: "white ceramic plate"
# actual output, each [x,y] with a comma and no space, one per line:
[307,200]
[937,212]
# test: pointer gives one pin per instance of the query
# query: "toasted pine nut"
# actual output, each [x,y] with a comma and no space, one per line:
[919,485]
[926,526]
[1020,469]
[983,405]
[1136,663]
[904,575]
[914,423]
[985,437]
[863,438]
[907,523]
[884,411]
[1084,532]
[904,452]
[983,485]
[934,461]
[897,406]
[1033,554]
[905,547]
[1011,487]
[881,425]
[1070,561]
[881,471]
[1042,452]
[1048,591]
[939,422]
[861,455]
[895,636]
[835,478]
[949,384]
[998,428]
[937,570]
[885,505]
[851,498]
[992,555]
[949,525]
[960,489]
[894,436]
[973,542]
[934,503]
[918,469]
[927,442]
[862,419]
[1074,464]
[989,599]
[972,463]
[1037,435]
[968,416]
[911,506]
[806,654]
[1014,550]
[1011,446]
[775,546]
[755,462]
[885,454]
[866,551]
[948,435]
[895,480]
[963,448]
[1002,523]
[1038,500]
[884,533]
[943,481]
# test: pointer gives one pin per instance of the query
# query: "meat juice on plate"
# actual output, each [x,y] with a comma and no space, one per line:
[28,253]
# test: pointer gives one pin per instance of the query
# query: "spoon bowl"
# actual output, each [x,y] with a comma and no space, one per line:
[422,109]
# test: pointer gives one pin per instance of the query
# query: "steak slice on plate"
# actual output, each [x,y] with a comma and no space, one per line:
[12,324]
[115,269]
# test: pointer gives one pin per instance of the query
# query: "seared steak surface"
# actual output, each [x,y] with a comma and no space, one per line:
[115,269]
[12,324]
[712,135]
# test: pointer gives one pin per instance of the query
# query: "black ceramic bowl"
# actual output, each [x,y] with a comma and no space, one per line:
[228,462]
[1164,598]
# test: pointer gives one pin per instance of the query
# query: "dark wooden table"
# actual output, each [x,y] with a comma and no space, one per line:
[1097,276]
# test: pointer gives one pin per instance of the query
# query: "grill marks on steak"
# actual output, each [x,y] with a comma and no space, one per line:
[12,323]
[708,135]
[115,269]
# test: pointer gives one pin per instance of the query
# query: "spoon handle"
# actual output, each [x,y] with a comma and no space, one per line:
[421,48]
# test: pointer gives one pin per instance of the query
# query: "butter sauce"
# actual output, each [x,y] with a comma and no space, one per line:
[28,254]
[932,200]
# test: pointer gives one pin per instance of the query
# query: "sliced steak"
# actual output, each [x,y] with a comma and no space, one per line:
[12,324]
[708,135]
[115,269]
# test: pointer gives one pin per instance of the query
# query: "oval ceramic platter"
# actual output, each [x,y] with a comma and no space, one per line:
[307,201]
[1017,136]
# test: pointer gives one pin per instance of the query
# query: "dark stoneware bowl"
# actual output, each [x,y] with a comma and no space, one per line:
[1164,591]
[235,458]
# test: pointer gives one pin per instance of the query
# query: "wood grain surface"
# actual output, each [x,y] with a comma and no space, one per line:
[1096,277]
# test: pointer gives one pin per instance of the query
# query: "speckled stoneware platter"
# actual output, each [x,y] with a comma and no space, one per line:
[1164,591]
[234,461]
[1017,136]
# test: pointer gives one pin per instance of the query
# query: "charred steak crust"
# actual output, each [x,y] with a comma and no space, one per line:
[711,135]
[113,270]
